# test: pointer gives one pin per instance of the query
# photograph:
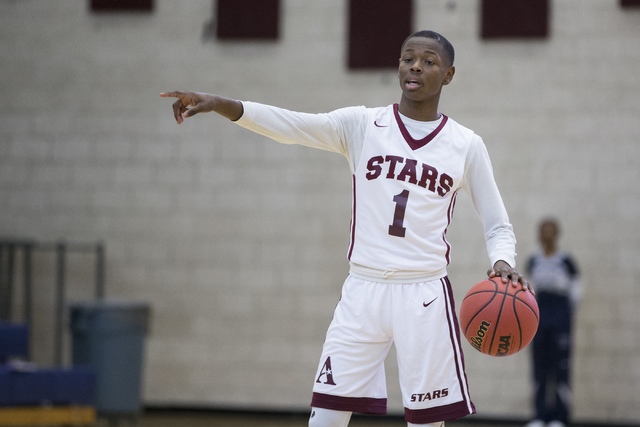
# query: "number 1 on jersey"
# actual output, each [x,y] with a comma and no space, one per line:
[397,229]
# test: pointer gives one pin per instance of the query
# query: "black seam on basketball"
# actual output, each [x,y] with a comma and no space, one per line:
[482,292]
[480,311]
[527,304]
[515,313]
[495,329]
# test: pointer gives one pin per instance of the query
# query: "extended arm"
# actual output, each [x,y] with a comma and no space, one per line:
[191,103]
[340,131]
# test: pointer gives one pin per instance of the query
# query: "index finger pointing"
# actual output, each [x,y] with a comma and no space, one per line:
[173,94]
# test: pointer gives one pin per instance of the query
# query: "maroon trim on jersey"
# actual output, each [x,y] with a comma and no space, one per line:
[449,412]
[456,410]
[417,143]
[454,334]
[353,219]
[452,205]
[362,405]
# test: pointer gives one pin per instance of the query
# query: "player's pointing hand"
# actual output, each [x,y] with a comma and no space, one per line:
[191,103]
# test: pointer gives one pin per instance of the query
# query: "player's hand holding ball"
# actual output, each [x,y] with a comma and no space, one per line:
[499,316]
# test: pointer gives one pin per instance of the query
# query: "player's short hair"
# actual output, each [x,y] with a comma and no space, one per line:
[446,46]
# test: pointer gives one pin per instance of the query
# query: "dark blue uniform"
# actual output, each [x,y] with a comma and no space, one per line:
[555,280]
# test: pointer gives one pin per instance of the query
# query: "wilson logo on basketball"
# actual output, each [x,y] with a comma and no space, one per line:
[476,341]
[503,347]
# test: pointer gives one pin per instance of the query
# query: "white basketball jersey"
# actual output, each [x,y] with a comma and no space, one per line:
[404,192]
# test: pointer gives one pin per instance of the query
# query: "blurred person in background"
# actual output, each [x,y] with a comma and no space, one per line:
[554,273]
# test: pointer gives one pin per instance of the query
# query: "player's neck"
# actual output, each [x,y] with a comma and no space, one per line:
[422,111]
[550,250]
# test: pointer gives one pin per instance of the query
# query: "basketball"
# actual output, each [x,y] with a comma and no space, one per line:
[498,319]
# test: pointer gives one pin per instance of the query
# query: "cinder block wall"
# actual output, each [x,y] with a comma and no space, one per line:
[239,243]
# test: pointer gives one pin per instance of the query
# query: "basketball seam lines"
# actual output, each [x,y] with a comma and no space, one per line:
[506,293]
[495,329]
[515,313]
[478,312]
[509,295]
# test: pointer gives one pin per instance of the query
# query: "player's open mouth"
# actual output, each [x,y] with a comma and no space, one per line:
[412,84]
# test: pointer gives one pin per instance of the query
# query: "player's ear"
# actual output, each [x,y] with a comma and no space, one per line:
[449,75]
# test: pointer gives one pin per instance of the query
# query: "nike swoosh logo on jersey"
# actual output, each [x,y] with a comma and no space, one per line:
[380,126]
[427,304]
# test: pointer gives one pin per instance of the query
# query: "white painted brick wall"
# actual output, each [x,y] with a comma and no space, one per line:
[239,243]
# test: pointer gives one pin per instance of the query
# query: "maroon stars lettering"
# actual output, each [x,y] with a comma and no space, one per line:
[425,176]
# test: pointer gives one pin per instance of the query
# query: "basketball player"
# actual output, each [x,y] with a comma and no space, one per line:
[555,274]
[408,163]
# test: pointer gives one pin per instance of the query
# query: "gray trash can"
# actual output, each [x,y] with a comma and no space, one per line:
[109,338]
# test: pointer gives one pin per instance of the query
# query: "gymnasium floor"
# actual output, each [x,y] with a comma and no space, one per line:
[162,418]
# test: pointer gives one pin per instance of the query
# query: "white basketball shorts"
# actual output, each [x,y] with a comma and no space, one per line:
[420,319]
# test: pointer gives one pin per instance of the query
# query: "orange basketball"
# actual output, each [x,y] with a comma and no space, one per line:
[498,319]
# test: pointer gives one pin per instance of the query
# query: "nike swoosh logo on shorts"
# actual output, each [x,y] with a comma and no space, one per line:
[426,304]
[380,126]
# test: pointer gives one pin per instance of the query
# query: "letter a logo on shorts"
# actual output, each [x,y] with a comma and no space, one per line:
[326,370]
